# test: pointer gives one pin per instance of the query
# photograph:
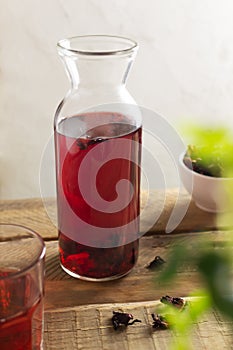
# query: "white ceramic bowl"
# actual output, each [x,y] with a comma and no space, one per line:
[209,193]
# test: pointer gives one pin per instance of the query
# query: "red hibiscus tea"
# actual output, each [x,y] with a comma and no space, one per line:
[21,312]
[22,254]
[89,169]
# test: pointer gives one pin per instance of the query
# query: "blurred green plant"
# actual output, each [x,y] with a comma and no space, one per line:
[212,146]
[213,265]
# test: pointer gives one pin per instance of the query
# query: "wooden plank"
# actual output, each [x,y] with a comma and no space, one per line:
[141,284]
[90,327]
[31,213]
[193,218]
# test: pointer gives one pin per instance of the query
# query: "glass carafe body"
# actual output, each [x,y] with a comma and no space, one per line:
[98,145]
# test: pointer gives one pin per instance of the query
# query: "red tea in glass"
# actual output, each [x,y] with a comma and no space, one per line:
[22,253]
[20,319]
[119,255]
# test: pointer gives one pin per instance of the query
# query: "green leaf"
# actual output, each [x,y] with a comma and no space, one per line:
[175,260]
[214,267]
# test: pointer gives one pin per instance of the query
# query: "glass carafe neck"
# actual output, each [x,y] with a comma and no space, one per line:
[97,61]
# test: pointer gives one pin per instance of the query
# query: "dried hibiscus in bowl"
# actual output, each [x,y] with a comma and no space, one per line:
[204,161]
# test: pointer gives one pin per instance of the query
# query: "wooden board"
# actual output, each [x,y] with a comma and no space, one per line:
[90,328]
[141,284]
[31,213]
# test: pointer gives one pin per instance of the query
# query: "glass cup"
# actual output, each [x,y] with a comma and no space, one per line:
[22,254]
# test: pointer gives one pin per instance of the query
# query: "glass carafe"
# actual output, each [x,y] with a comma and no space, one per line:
[98,145]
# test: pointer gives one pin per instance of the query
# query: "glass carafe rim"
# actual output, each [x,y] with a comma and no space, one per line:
[63,45]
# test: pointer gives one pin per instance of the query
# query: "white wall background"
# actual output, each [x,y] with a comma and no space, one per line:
[184,68]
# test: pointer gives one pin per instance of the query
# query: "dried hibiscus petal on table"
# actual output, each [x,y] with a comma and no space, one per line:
[178,302]
[165,321]
[122,319]
[159,322]
[156,263]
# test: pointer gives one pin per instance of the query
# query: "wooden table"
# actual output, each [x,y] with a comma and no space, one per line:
[78,313]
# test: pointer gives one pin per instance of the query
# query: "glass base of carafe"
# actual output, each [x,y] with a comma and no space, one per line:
[105,279]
